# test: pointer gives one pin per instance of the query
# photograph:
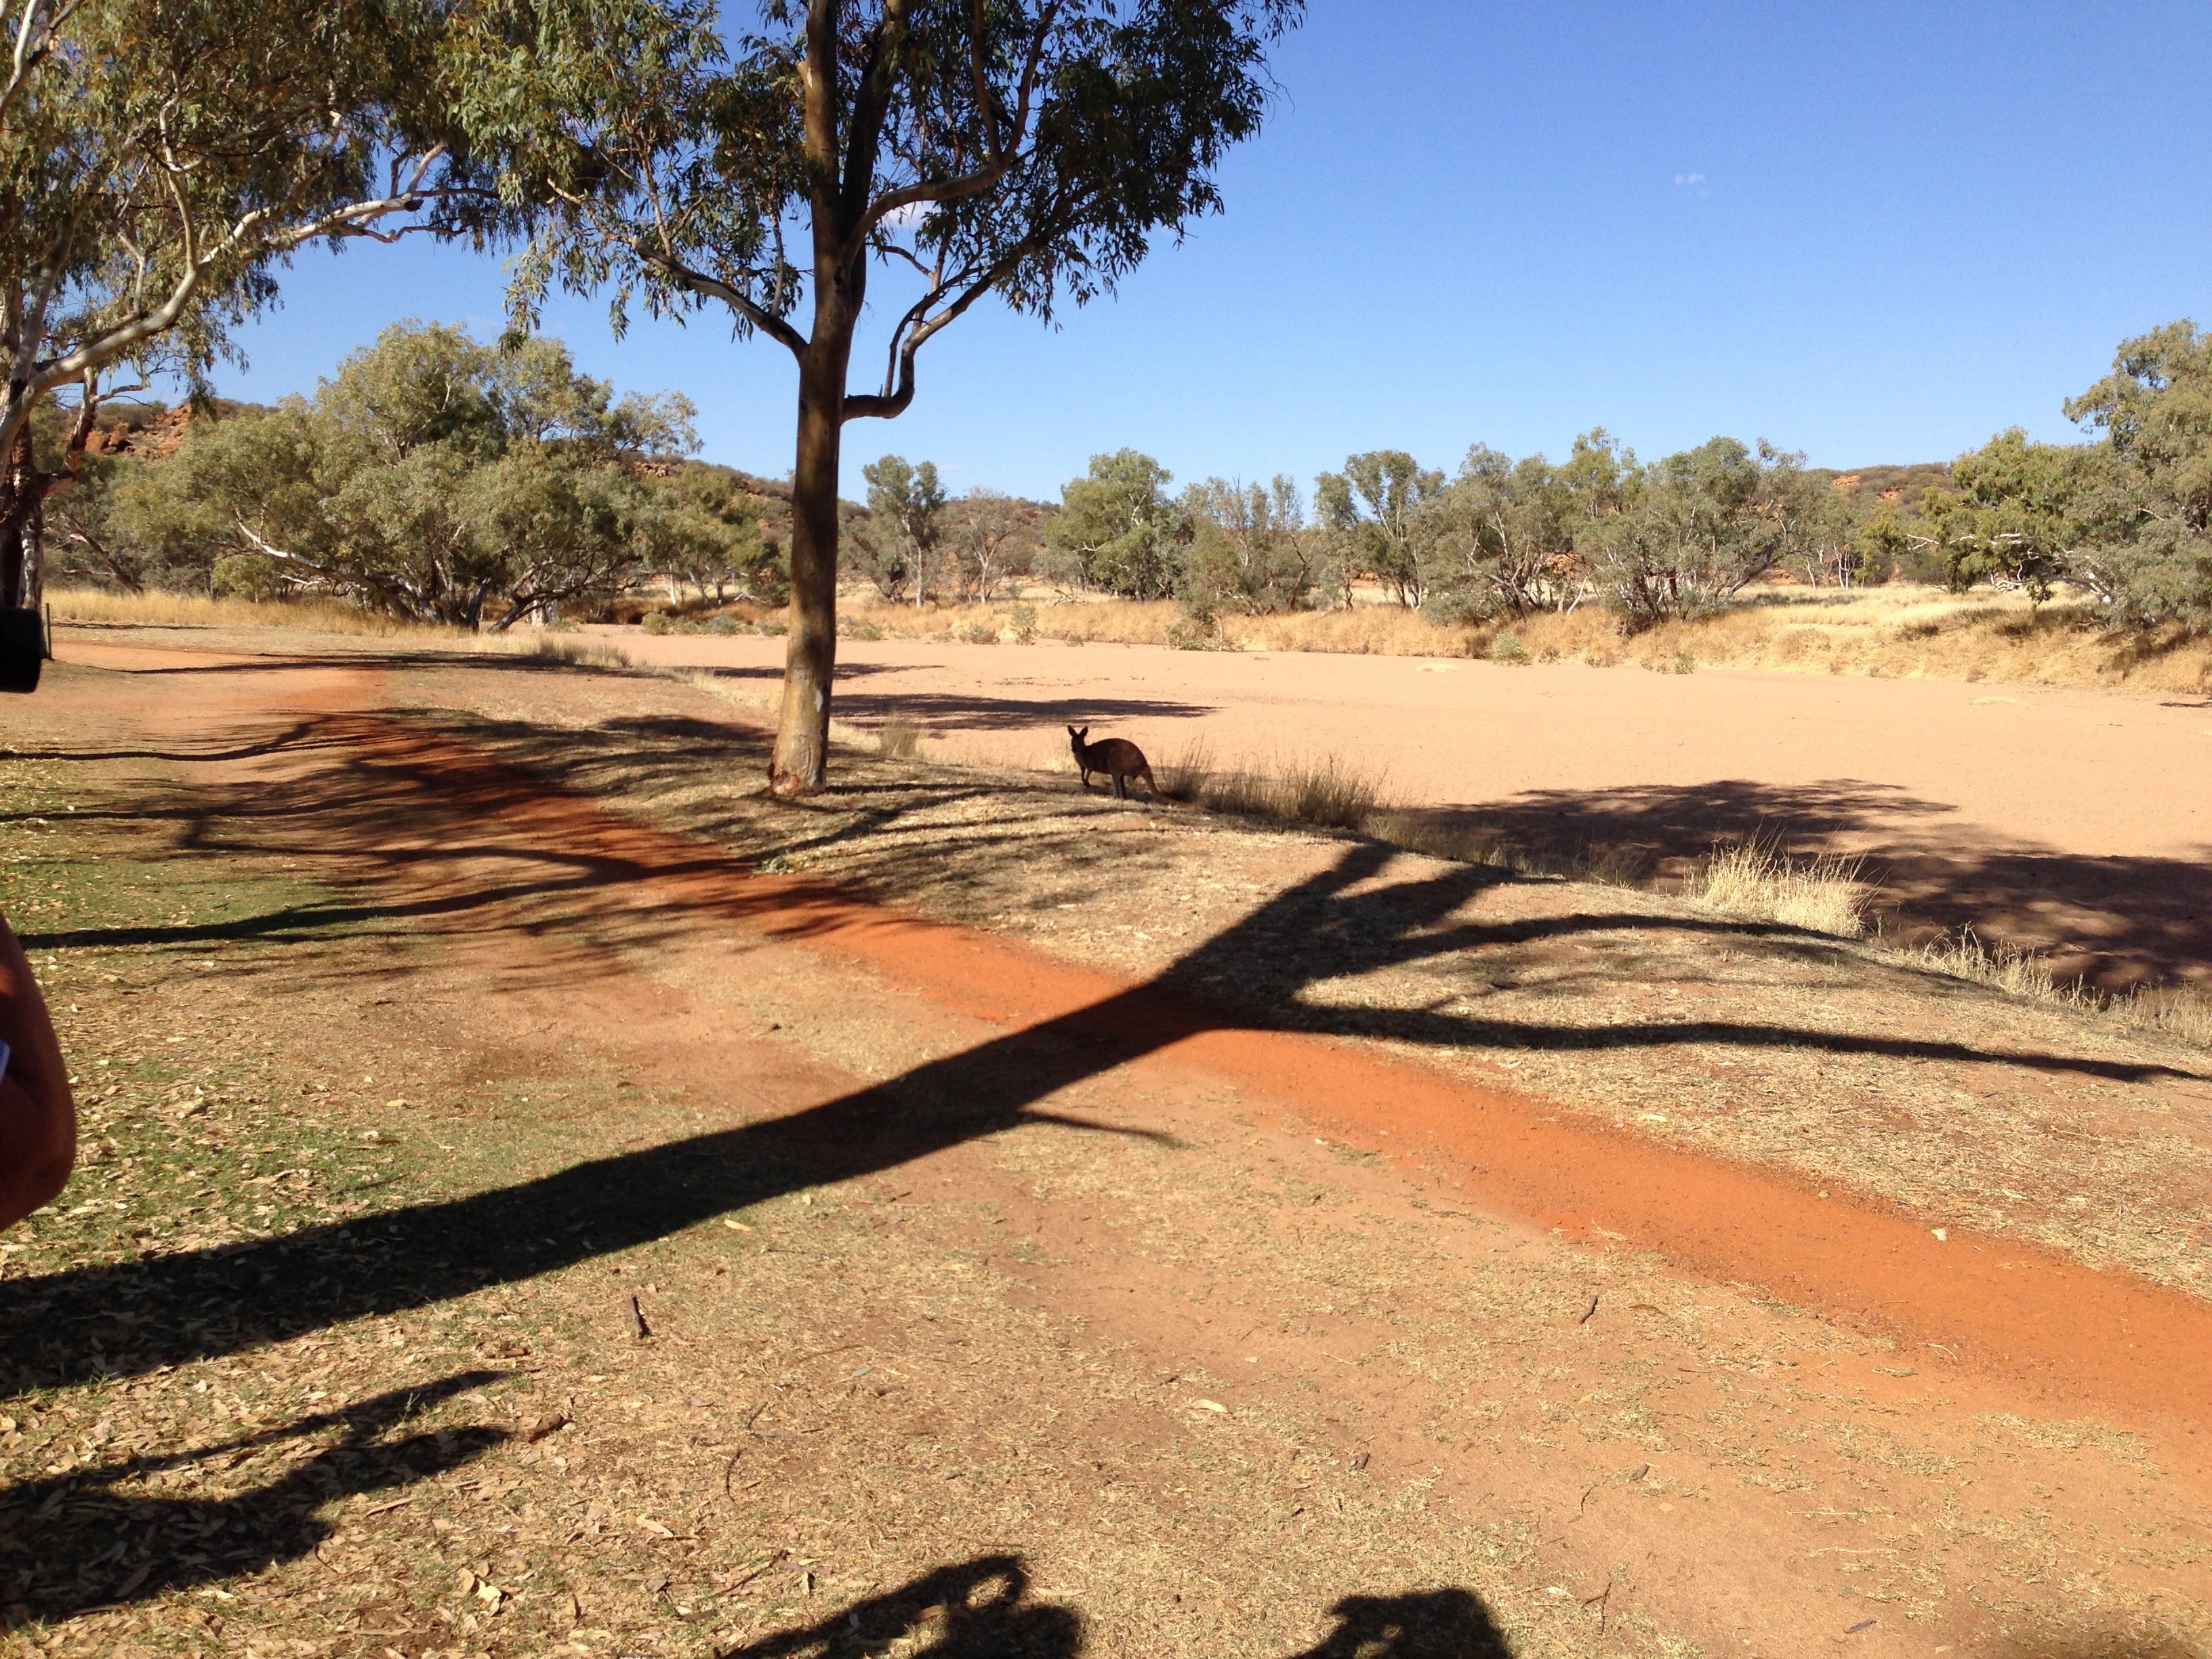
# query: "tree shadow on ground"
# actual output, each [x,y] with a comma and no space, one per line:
[981,1609]
[73,1544]
[66,1328]
[2116,921]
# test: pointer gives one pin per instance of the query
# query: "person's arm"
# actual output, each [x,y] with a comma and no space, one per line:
[38,1120]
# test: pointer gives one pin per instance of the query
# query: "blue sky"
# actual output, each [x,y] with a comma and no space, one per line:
[1871,233]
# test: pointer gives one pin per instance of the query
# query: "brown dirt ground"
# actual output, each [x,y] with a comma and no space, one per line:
[1003,1296]
[2070,821]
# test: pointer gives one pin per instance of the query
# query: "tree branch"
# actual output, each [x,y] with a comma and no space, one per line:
[699,282]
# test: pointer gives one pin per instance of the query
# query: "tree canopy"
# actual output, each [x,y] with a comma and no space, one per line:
[158,158]
[442,480]
[1031,150]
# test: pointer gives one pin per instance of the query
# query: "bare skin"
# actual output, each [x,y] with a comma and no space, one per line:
[38,1119]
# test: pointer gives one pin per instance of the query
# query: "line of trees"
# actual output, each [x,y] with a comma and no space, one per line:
[1676,537]
[2124,518]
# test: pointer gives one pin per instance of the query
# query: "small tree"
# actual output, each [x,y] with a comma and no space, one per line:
[2143,497]
[992,544]
[910,502]
[157,159]
[1370,507]
[1249,548]
[2017,515]
[1025,148]
[1116,531]
[1691,530]
[1500,539]
[431,477]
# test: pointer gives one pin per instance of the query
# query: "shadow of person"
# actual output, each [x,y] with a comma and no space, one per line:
[1442,1624]
[977,1609]
[72,1545]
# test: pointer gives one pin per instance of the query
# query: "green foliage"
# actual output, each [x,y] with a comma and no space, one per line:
[1031,151]
[1500,540]
[1250,549]
[2015,517]
[1691,530]
[436,479]
[159,158]
[991,541]
[906,505]
[2144,495]
[1116,531]
[1369,510]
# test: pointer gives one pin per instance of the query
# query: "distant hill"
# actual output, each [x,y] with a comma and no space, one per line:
[1902,485]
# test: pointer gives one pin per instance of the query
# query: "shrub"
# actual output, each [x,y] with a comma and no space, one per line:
[1824,895]
[857,627]
[655,622]
[899,738]
[1025,620]
[1508,648]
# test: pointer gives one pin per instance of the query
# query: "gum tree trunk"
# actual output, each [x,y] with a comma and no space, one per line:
[802,736]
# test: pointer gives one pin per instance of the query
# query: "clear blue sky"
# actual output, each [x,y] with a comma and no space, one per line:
[1872,233]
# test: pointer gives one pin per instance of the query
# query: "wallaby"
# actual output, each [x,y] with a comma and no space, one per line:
[1113,757]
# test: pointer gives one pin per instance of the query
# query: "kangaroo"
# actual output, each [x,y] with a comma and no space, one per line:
[1113,757]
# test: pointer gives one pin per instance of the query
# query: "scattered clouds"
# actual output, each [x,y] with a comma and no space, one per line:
[1689,177]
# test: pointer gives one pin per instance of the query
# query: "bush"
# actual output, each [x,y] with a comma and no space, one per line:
[1025,620]
[1508,648]
[857,627]
[899,738]
[656,622]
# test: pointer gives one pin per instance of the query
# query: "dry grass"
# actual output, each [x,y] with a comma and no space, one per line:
[2180,1013]
[159,609]
[898,738]
[1327,792]
[1901,631]
[1824,895]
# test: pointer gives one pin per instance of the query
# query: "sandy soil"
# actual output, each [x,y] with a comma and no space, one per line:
[2077,822]
[1000,1304]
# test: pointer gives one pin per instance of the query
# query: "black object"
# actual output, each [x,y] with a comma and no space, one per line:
[23,648]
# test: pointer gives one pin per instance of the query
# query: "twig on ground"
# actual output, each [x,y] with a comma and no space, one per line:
[637,1318]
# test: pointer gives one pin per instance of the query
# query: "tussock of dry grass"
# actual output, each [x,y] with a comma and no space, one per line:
[898,738]
[1824,895]
[1327,790]
[555,647]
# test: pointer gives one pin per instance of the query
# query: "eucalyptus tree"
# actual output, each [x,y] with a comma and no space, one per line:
[1500,538]
[909,502]
[435,478]
[1026,149]
[1694,528]
[1251,548]
[158,158]
[2017,516]
[2144,495]
[1371,507]
[1116,531]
